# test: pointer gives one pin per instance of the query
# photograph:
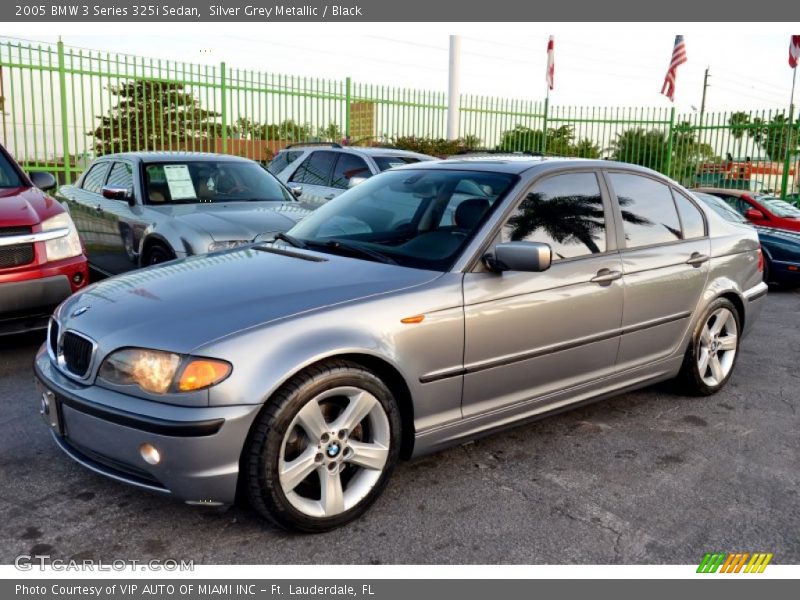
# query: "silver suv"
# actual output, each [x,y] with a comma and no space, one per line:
[321,171]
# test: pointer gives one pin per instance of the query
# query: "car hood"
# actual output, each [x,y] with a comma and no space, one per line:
[237,220]
[26,207]
[187,303]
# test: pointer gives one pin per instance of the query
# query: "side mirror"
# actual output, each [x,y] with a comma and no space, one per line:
[115,193]
[297,190]
[354,181]
[533,257]
[754,214]
[43,180]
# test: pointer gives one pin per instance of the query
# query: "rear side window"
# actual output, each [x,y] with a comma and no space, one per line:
[283,160]
[95,178]
[121,176]
[648,211]
[390,162]
[347,167]
[565,211]
[316,169]
[691,218]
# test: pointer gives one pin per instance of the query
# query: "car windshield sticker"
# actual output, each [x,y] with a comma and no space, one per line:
[180,182]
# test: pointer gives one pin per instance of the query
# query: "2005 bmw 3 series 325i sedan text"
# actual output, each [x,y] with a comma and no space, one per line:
[431,304]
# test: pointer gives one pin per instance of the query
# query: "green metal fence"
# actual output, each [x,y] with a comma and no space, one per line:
[61,107]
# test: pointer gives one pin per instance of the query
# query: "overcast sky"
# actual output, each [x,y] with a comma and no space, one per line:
[599,64]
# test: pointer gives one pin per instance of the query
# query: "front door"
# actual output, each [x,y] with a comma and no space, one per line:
[314,176]
[528,335]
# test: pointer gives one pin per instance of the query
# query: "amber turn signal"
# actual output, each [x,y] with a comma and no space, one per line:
[413,320]
[201,373]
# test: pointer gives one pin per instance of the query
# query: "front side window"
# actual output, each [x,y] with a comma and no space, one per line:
[564,211]
[95,178]
[347,167]
[648,211]
[121,176]
[202,181]
[316,169]
[9,178]
[399,217]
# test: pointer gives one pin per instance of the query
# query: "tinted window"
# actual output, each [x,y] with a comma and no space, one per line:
[95,178]
[8,174]
[121,176]
[389,162]
[565,211]
[347,167]
[722,208]
[282,160]
[316,169]
[648,211]
[691,218]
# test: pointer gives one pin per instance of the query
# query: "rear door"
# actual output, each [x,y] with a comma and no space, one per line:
[86,211]
[314,176]
[528,335]
[665,259]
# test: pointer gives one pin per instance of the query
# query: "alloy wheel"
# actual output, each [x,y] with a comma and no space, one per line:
[718,344]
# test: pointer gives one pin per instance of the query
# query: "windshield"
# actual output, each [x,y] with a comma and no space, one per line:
[390,162]
[193,182]
[721,207]
[415,218]
[779,207]
[8,174]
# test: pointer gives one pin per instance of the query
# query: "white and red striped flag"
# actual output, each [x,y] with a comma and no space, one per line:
[794,51]
[678,58]
[551,64]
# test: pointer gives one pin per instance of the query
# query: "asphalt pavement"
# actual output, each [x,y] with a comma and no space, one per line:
[647,477]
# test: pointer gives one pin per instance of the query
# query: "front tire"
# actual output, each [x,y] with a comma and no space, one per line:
[323,448]
[711,357]
[157,254]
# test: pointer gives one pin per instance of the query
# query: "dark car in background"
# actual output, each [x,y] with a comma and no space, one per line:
[143,208]
[41,257]
[781,248]
[767,211]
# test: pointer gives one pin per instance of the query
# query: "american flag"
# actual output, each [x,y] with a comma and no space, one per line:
[678,58]
[794,51]
[551,66]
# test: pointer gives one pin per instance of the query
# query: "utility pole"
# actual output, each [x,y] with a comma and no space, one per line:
[453,89]
[703,101]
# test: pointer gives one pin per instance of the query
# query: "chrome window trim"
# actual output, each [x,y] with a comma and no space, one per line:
[32,238]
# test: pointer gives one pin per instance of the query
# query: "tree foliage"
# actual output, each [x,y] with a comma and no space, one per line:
[776,137]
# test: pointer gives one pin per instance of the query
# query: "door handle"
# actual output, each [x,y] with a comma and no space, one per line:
[606,276]
[697,259]
[330,196]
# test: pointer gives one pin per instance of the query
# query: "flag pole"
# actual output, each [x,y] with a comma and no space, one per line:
[787,158]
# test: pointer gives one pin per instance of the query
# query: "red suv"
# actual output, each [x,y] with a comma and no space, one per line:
[767,211]
[41,256]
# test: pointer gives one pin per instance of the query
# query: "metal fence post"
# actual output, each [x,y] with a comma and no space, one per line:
[787,159]
[670,135]
[224,107]
[347,91]
[62,84]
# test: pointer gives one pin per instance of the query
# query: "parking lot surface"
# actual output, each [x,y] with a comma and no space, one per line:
[647,477]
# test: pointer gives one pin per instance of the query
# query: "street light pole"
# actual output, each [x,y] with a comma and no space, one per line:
[453,89]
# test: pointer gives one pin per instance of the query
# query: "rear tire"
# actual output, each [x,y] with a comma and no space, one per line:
[323,448]
[712,353]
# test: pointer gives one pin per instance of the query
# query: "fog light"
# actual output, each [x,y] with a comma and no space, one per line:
[77,279]
[150,454]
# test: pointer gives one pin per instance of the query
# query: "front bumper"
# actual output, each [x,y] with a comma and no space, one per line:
[27,305]
[104,430]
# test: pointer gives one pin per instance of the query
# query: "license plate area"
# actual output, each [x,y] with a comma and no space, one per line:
[49,408]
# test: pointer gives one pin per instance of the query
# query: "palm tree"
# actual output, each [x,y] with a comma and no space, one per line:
[739,123]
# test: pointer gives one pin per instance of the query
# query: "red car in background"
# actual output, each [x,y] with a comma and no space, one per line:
[767,211]
[41,256]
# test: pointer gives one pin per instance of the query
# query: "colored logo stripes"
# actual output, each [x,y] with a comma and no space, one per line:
[734,562]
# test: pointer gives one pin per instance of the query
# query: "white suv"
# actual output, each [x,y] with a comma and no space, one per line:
[322,171]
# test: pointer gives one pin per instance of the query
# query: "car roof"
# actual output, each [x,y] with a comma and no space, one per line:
[517,165]
[729,191]
[171,156]
[365,150]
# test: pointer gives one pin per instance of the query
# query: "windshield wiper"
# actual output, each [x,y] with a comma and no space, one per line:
[373,254]
[291,240]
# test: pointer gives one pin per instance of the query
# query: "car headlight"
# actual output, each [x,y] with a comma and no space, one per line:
[65,246]
[217,246]
[160,372]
